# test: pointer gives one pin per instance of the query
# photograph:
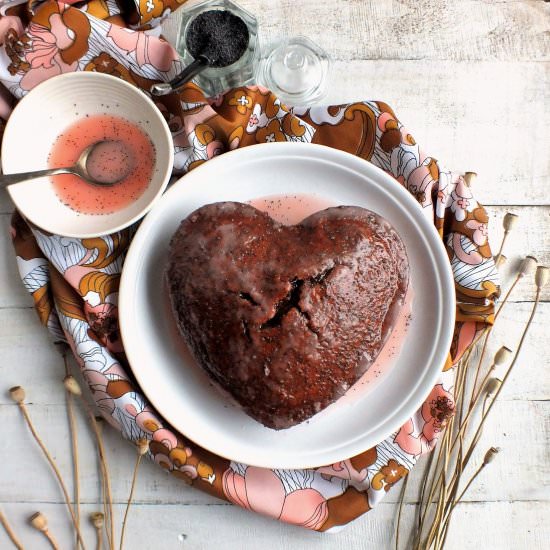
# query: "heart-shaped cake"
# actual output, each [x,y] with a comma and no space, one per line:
[285,318]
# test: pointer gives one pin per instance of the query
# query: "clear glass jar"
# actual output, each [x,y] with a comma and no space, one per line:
[214,80]
[296,70]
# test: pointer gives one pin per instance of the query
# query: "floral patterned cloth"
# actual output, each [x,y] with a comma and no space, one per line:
[74,282]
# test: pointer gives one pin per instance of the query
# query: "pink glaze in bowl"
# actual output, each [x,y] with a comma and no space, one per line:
[46,112]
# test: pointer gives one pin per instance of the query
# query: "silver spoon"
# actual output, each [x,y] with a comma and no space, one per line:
[79,169]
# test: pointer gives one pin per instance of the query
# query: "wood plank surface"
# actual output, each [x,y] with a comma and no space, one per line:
[502,525]
[461,30]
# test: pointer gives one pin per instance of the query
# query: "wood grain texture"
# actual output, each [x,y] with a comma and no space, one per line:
[503,526]
[461,30]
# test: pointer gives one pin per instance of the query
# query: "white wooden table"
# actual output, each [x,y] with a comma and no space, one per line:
[471,80]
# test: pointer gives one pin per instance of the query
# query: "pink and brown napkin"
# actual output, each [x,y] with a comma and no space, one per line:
[74,283]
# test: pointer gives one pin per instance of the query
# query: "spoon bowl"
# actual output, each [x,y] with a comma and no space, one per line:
[80,169]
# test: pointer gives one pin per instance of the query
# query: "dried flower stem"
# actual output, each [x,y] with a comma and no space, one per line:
[474,398]
[512,364]
[456,446]
[106,479]
[437,471]
[72,385]
[99,424]
[51,540]
[470,481]
[130,497]
[489,455]
[427,504]
[437,518]
[487,334]
[443,486]
[438,475]
[10,532]
[74,442]
[52,464]
[500,357]
[142,449]
[463,426]
[477,435]
[425,477]
[507,228]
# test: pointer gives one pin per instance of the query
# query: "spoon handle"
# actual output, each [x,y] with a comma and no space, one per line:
[164,88]
[10,179]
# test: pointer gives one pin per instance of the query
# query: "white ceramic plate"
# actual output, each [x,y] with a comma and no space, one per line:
[182,392]
[46,112]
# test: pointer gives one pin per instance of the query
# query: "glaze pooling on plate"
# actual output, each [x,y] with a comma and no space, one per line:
[286,318]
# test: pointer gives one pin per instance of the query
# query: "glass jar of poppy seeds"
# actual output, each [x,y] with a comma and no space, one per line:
[227,35]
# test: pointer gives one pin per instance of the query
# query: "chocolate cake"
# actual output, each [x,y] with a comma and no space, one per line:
[285,318]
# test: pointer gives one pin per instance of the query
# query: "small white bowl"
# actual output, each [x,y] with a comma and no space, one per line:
[45,113]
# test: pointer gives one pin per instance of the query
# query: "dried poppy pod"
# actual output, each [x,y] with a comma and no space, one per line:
[470,178]
[502,355]
[541,276]
[527,265]
[142,445]
[17,393]
[490,455]
[97,519]
[39,522]
[510,221]
[71,385]
[492,386]
[501,260]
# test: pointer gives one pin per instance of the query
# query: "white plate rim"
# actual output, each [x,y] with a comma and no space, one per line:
[446,291]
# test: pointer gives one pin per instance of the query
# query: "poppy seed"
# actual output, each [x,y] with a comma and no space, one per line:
[219,35]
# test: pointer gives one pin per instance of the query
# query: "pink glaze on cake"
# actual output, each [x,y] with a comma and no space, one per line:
[303,310]
[129,153]
[292,209]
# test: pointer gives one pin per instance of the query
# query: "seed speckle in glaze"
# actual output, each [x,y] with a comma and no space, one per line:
[92,199]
